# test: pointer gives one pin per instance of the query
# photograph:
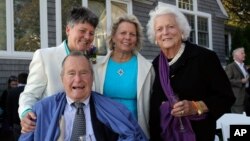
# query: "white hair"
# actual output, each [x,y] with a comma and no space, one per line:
[162,10]
[237,50]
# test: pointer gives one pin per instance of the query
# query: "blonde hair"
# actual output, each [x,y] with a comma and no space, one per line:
[131,19]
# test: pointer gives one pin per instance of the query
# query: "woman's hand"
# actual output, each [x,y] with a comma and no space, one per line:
[28,123]
[183,108]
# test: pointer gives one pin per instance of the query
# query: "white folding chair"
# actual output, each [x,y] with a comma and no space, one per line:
[216,138]
[226,120]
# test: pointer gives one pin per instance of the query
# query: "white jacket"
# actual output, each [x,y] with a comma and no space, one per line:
[44,76]
[145,78]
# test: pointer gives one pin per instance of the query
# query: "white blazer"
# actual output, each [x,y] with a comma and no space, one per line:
[145,78]
[44,76]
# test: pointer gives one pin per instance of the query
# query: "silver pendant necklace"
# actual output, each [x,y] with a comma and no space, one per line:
[120,72]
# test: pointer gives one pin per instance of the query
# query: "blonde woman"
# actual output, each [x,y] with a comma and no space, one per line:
[124,74]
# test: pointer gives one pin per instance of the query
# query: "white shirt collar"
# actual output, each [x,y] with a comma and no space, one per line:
[238,63]
[70,101]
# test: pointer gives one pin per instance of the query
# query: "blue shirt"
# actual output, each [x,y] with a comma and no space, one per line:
[121,83]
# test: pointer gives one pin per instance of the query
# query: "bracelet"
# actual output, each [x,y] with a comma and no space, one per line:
[195,106]
[202,106]
[200,110]
[198,107]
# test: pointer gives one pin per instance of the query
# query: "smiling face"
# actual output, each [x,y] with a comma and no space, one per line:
[125,38]
[77,78]
[80,36]
[167,33]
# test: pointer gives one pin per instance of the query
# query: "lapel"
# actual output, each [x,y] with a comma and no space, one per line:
[97,126]
[245,67]
[61,128]
[237,68]
[60,52]
[102,133]
[142,72]
[95,122]
[101,67]
[183,60]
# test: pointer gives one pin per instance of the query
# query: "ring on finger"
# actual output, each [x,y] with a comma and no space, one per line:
[182,112]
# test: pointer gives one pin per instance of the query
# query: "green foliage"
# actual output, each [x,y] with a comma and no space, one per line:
[238,11]
[27,25]
[2,26]
[239,17]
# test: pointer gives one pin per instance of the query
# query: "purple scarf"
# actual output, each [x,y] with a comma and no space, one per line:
[170,125]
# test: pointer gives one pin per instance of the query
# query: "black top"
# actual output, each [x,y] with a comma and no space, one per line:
[12,105]
[101,131]
[197,75]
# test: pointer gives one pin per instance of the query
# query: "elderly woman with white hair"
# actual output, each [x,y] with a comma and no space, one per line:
[191,90]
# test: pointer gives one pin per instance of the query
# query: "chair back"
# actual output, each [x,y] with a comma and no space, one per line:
[228,119]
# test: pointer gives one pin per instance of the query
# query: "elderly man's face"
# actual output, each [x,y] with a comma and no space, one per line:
[240,55]
[77,78]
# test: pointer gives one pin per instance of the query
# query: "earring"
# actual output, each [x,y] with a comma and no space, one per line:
[182,37]
[156,42]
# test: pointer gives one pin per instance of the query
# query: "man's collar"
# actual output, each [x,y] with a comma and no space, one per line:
[238,63]
[70,101]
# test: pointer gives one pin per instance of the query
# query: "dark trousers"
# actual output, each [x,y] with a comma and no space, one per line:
[247,103]
[6,133]
[16,131]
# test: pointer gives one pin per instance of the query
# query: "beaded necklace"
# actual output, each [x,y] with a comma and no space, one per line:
[178,55]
